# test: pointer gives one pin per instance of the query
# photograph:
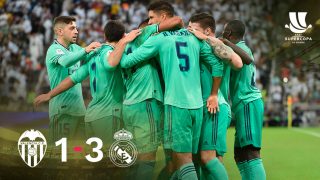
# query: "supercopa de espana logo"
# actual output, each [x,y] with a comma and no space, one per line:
[298,26]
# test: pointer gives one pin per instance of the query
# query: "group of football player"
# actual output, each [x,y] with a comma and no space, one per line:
[166,84]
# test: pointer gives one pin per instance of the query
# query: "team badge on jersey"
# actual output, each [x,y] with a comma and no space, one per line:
[32,146]
[59,51]
[109,52]
[123,153]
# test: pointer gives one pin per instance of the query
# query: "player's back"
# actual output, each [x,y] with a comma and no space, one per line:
[106,85]
[141,81]
[179,53]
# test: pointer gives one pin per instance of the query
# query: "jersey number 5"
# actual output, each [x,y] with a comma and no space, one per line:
[184,66]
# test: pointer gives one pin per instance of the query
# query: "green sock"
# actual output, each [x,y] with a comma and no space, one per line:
[163,174]
[198,170]
[242,166]
[175,175]
[256,169]
[252,170]
[215,170]
[188,172]
[145,170]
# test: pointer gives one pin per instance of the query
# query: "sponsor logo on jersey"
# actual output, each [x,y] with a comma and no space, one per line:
[59,51]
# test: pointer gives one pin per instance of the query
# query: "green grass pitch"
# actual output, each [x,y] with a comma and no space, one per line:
[292,154]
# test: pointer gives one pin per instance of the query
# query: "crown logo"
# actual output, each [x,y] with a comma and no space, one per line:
[123,135]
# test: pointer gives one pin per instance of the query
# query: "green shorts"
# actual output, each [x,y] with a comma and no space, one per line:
[143,121]
[64,125]
[249,122]
[182,129]
[104,128]
[214,130]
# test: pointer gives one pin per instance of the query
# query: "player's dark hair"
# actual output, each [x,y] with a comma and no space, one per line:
[164,6]
[63,19]
[237,28]
[144,23]
[205,20]
[114,31]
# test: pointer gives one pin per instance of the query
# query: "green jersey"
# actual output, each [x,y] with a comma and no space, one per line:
[62,62]
[141,81]
[242,83]
[178,53]
[206,84]
[106,85]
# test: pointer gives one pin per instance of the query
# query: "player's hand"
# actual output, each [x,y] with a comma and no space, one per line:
[225,41]
[197,33]
[214,42]
[212,104]
[132,35]
[178,20]
[41,99]
[92,47]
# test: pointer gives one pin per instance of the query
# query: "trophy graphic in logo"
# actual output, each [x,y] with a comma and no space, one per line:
[32,146]
[298,26]
[298,22]
[123,153]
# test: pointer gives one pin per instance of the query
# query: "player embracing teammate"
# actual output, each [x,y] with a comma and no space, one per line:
[197,70]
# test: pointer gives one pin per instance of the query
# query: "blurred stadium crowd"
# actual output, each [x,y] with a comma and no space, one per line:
[26,33]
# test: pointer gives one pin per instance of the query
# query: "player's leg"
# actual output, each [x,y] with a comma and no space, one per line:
[104,129]
[184,128]
[143,120]
[77,127]
[249,122]
[168,169]
[53,124]
[213,142]
[147,158]
[68,126]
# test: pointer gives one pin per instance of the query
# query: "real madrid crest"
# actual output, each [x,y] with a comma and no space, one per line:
[123,153]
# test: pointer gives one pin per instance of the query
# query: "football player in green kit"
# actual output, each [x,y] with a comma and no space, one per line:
[103,115]
[179,53]
[214,127]
[67,110]
[142,106]
[202,25]
[248,108]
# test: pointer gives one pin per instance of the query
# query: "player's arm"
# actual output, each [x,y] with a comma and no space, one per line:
[212,100]
[221,50]
[171,23]
[145,52]
[67,60]
[146,32]
[63,86]
[246,59]
[89,56]
[224,52]
[115,56]
[66,84]
[217,71]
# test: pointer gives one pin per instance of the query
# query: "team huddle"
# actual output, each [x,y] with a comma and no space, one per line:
[166,84]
